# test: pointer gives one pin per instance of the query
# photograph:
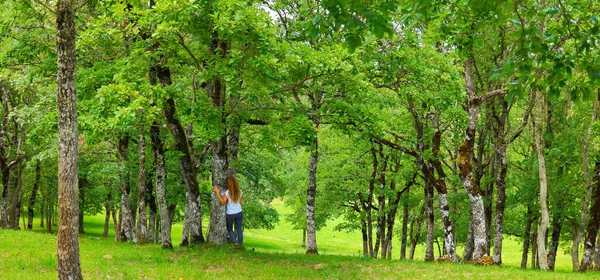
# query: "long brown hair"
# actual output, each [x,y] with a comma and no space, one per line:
[234,189]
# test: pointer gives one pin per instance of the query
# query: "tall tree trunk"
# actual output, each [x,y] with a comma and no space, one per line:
[440,185]
[556,228]
[430,220]
[34,191]
[580,230]
[415,238]
[381,221]
[469,244]
[192,227]
[108,209]
[499,169]
[224,149]
[68,204]
[311,193]
[142,219]
[161,176]
[488,196]
[5,165]
[365,237]
[151,202]
[593,225]
[391,216]
[405,218]
[368,205]
[13,209]
[466,167]
[126,222]
[535,264]
[539,142]
[526,238]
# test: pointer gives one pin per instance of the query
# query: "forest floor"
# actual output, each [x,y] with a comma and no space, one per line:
[274,254]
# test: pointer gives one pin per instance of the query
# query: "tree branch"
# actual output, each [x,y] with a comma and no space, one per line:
[493,94]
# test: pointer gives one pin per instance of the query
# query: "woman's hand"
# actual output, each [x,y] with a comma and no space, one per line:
[217,190]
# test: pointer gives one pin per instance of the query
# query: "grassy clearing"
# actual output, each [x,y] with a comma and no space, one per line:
[32,255]
[275,254]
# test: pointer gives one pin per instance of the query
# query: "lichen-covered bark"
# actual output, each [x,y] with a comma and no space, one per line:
[466,167]
[217,231]
[68,204]
[161,197]
[192,226]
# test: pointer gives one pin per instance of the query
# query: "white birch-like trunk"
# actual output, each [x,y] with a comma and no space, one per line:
[539,142]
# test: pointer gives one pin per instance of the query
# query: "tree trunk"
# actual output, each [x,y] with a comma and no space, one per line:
[405,218]
[311,193]
[539,143]
[42,210]
[365,237]
[556,228]
[500,170]
[368,206]
[5,166]
[597,254]
[488,196]
[469,245]
[466,167]
[151,202]
[142,219]
[526,238]
[68,204]
[381,221]
[126,222]
[13,209]
[161,176]
[415,238]
[304,237]
[107,208]
[36,186]
[49,215]
[440,185]
[224,152]
[192,227]
[593,225]
[588,185]
[430,220]
[82,186]
[535,264]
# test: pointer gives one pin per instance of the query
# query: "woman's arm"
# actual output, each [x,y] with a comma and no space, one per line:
[222,199]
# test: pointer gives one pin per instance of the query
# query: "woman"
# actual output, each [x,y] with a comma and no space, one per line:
[233,198]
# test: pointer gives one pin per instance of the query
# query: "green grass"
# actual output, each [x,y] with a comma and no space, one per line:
[275,254]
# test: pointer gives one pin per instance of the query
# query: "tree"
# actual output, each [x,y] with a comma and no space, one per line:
[68,204]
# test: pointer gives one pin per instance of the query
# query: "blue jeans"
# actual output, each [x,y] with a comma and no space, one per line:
[237,218]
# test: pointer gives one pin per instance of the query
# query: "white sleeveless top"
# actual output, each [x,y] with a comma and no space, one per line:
[233,207]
